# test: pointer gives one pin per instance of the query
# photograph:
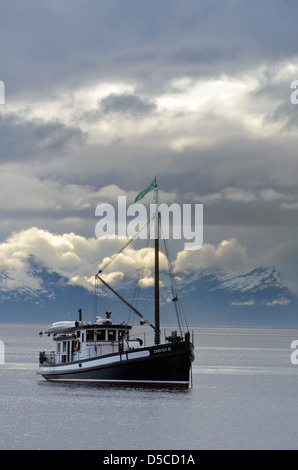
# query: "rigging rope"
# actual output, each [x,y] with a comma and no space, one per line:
[181,318]
[115,255]
[174,290]
[135,298]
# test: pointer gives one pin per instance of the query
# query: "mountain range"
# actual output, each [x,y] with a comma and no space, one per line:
[254,296]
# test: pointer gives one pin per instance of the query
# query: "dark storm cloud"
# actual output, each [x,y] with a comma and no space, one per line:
[278,92]
[129,105]
[226,156]
[34,138]
[60,44]
[126,104]
[286,113]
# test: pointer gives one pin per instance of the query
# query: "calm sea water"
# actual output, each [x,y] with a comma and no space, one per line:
[244,396]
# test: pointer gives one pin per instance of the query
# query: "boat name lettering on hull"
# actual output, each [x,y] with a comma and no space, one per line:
[161,350]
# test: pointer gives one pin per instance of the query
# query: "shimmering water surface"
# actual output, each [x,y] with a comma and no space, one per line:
[244,396]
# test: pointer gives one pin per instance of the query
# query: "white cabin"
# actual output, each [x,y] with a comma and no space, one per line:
[79,340]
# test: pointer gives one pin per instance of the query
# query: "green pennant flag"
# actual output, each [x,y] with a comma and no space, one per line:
[151,186]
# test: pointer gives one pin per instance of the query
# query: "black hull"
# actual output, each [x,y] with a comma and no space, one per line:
[162,366]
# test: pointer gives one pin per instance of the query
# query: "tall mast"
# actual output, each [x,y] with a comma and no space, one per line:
[156,280]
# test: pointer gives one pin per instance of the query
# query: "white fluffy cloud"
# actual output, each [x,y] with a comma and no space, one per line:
[227,255]
[67,254]
[72,256]
[78,259]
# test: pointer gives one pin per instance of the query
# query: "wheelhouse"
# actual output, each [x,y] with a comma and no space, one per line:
[84,340]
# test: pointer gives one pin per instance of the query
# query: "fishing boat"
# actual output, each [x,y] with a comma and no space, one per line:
[106,353]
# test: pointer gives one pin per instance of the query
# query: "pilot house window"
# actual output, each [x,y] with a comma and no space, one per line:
[90,335]
[111,335]
[121,334]
[101,335]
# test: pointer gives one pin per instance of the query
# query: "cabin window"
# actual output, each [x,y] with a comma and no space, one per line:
[101,335]
[111,335]
[78,334]
[64,346]
[90,335]
[121,334]
[59,348]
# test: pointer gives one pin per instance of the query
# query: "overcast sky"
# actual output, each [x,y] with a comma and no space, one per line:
[103,95]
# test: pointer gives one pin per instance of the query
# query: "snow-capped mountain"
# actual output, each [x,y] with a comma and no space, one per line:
[251,296]
[49,297]
[250,280]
